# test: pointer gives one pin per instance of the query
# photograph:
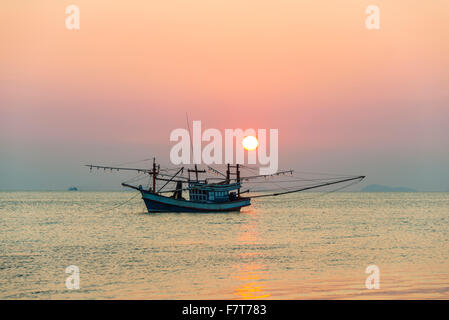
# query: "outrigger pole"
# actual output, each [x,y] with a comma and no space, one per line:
[308,188]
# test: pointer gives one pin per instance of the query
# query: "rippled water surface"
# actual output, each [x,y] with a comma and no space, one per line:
[302,246]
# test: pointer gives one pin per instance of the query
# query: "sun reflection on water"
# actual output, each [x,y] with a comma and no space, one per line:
[251,277]
[250,273]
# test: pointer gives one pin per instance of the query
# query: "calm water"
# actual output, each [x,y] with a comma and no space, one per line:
[292,247]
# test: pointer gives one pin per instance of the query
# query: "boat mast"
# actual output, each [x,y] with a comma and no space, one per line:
[237,175]
[238,178]
[196,172]
[154,175]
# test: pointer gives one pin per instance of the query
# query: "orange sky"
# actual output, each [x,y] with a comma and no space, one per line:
[310,68]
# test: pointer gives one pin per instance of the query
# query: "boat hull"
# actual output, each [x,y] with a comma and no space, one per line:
[158,203]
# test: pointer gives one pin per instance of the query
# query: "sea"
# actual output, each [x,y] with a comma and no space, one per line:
[342,245]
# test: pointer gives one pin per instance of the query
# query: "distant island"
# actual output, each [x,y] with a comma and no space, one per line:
[72,189]
[381,188]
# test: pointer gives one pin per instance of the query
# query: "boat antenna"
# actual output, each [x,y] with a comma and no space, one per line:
[191,146]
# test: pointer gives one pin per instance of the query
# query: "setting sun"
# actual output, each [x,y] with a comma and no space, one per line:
[250,143]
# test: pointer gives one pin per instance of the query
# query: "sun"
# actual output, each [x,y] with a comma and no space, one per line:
[250,143]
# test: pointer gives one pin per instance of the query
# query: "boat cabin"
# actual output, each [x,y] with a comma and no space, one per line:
[204,192]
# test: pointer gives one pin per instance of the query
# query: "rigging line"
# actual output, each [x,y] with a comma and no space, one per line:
[136,178]
[216,171]
[343,187]
[126,163]
[324,193]
[169,169]
[180,170]
[279,186]
[329,182]
[310,187]
[338,189]
[314,185]
[119,205]
[321,173]
[307,172]
[190,135]
[269,181]
[291,178]
[304,176]
[297,180]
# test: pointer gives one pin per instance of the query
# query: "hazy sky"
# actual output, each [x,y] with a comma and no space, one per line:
[344,98]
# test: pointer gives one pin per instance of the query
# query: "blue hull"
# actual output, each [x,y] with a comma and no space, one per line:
[158,203]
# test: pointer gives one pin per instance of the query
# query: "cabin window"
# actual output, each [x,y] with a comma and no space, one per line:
[211,196]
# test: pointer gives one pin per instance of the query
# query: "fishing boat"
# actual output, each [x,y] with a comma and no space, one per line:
[220,194]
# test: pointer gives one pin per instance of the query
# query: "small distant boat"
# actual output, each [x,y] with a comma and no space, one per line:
[222,195]
[72,189]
